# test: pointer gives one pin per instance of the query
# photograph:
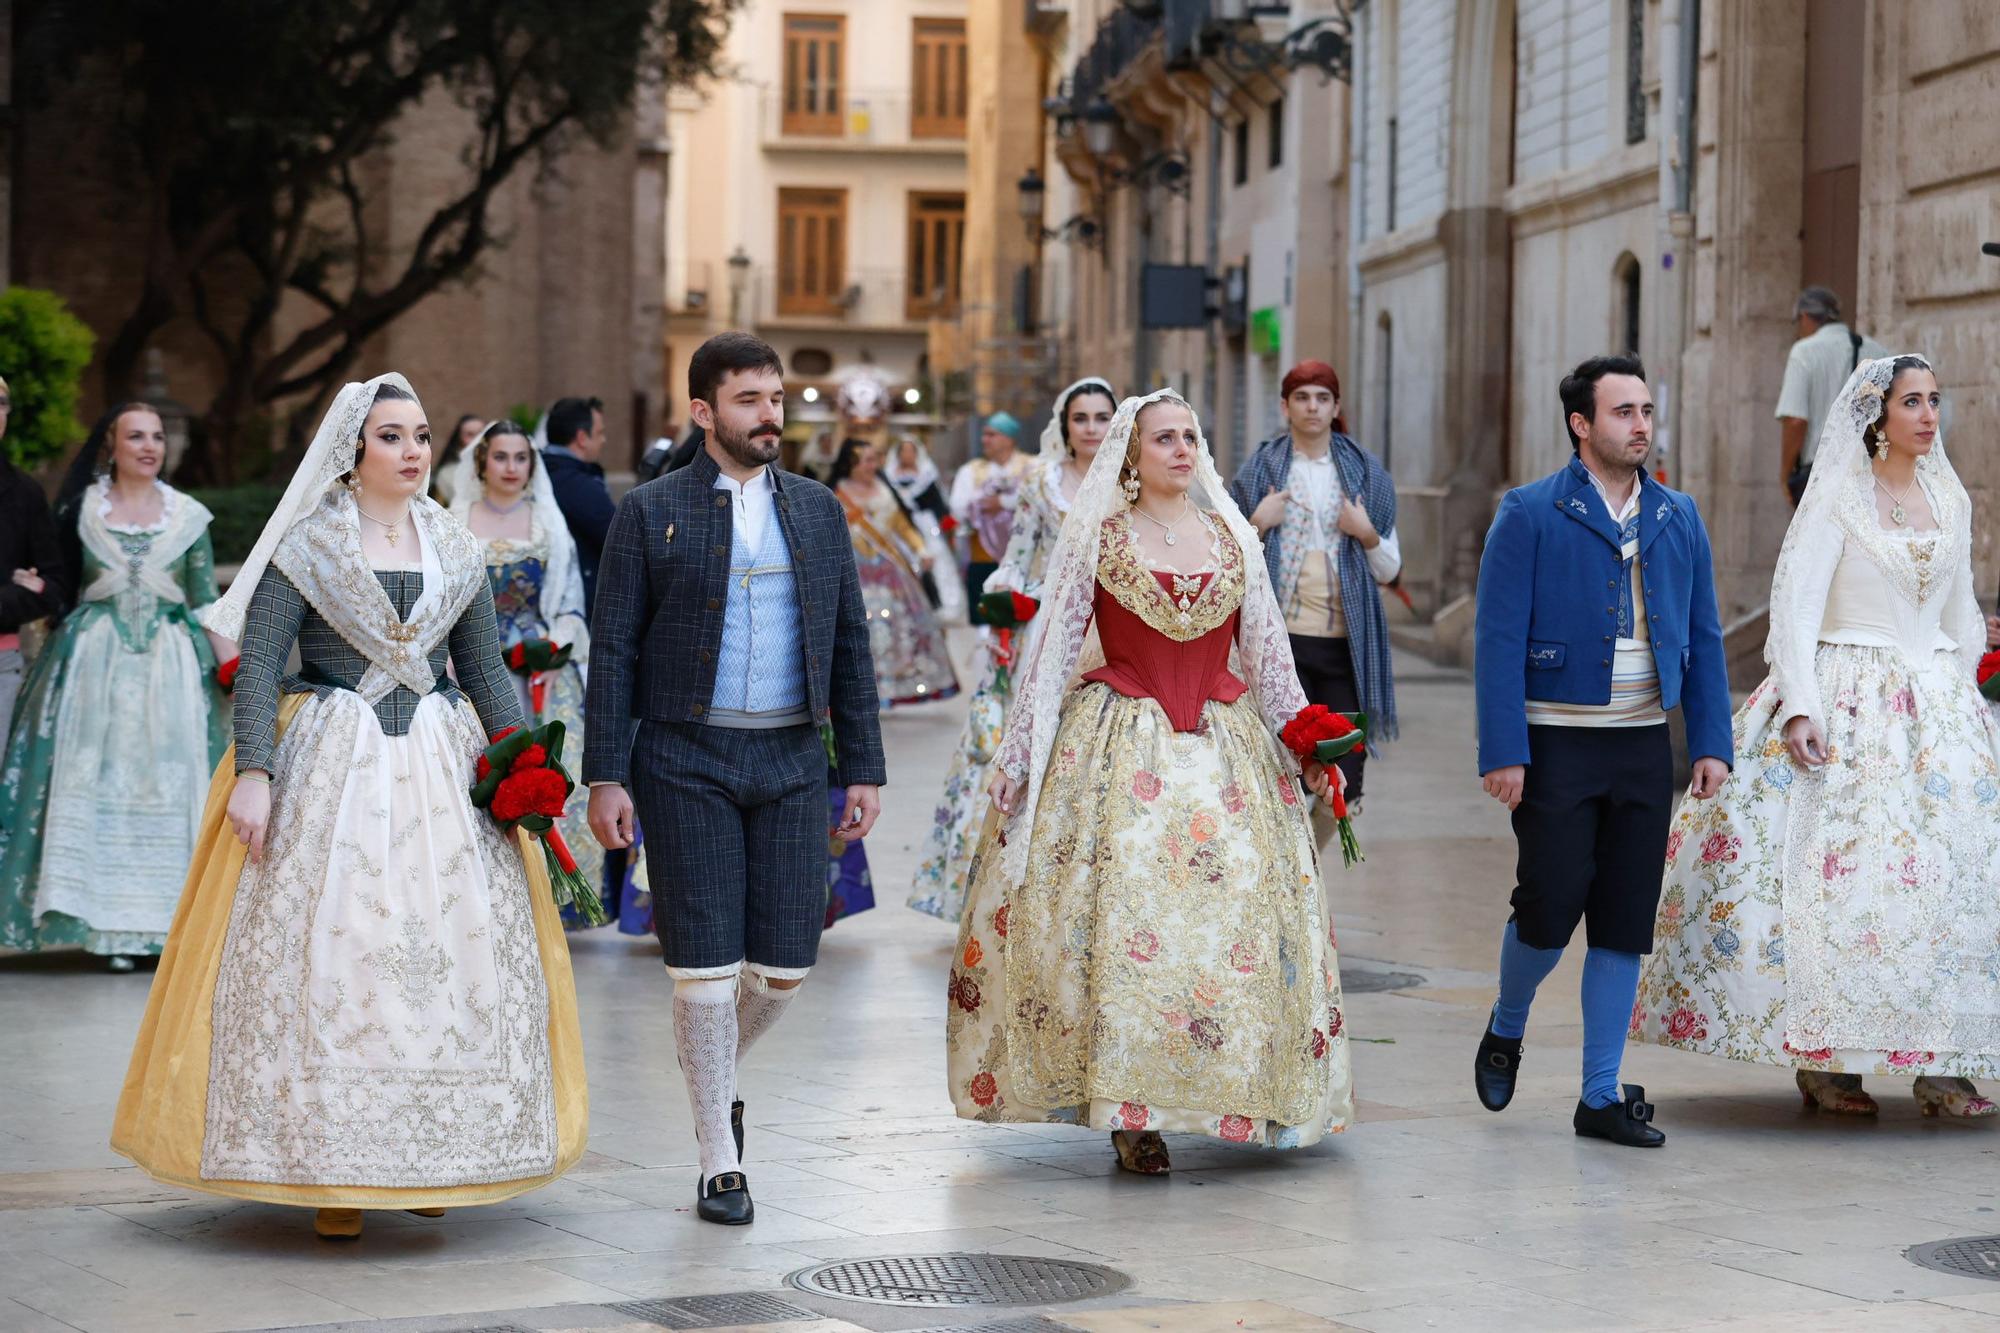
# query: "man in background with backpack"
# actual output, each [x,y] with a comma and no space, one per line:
[1826,353]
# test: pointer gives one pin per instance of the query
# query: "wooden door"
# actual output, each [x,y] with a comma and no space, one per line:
[815,87]
[812,251]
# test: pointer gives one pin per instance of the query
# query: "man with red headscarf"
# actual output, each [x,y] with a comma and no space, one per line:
[1327,510]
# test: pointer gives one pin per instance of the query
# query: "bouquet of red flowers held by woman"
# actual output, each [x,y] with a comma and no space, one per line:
[1324,736]
[522,784]
[1988,675]
[1005,612]
[533,658]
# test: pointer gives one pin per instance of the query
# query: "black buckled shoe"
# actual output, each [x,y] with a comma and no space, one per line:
[725,1199]
[1628,1123]
[736,1127]
[1496,1069]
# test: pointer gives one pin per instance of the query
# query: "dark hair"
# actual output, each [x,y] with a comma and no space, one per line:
[384,393]
[843,463]
[95,456]
[1579,387]
[1901,366]
[503,426]
[1098,387]
[724,354]
[453,447]
[571,417]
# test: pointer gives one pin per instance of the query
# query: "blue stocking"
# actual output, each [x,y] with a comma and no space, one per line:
[1522,968]
[1610,984]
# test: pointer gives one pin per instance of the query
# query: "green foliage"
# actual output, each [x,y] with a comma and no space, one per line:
[240,514]
[43,352]
[525,415]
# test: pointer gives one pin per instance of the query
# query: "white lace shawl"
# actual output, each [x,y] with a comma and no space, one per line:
[1263,650]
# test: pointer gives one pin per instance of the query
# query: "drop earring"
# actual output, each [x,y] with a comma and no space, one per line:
[1131,487]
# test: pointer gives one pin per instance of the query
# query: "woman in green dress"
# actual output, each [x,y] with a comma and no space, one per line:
[120,722]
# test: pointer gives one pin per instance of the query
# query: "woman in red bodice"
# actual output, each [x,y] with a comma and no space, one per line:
[1146,947]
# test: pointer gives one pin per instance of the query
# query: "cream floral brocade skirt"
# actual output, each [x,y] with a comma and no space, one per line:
[1168,963]
[1848,919]
[326,1100]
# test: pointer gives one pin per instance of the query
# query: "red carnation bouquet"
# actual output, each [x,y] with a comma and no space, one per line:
[1324,736]
[533,658]
[522,784]
[947,525]
[1988,674]
[1006,611]
[225,674]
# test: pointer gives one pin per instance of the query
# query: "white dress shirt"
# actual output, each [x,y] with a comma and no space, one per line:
[750,504]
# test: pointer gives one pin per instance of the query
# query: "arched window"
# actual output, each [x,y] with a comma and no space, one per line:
[1626,330]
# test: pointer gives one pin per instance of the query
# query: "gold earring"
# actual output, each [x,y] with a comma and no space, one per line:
[1131,486]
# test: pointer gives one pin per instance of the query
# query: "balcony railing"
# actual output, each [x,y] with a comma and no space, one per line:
[860,119]
[697,287]
[865,298]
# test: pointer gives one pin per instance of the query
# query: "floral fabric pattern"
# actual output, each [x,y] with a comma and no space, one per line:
[1844,919]
[1168,964]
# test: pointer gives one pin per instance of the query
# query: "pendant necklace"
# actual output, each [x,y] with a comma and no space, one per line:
[1897,515]
[390,531]
[1167,528]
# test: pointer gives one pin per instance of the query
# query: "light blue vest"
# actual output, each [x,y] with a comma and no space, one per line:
[761,668]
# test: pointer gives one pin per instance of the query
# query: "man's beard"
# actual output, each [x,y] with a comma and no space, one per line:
[752,448]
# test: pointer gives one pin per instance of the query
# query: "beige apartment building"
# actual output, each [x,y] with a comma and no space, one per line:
[817,198]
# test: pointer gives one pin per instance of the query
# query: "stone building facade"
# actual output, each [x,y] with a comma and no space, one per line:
[1495,189]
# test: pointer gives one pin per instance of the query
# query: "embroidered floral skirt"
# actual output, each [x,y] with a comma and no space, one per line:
[946,869]
[1168,964]
[912,662]
[1845,919]
[379,1013]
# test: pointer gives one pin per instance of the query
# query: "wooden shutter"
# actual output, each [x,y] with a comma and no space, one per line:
[937,235]
[937,79]
[812,251]
[815,45]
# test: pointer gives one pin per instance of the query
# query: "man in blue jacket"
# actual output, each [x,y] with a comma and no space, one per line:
[1596,615]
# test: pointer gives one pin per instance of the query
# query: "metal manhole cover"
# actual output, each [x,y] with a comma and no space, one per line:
[960,1280]
[1033,1323]
[1968,1256]
[1363,983]
[720,1311]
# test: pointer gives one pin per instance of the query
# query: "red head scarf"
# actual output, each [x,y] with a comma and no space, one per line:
[1317,373]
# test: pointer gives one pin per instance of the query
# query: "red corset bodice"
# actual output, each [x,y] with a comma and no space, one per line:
[1142,663]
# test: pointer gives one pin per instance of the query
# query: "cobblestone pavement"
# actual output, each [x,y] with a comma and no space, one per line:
[1430,1213]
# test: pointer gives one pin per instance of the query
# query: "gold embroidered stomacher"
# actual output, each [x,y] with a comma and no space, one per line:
[1186,615]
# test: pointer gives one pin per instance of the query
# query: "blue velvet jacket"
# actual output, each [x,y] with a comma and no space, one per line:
[1547,603]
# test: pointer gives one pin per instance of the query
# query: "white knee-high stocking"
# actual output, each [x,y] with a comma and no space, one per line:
[705,1039]
[758,1005]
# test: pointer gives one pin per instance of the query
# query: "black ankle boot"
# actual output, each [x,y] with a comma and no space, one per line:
[725,1198]
[1628,1123]
[736,1127]
[1496,1069]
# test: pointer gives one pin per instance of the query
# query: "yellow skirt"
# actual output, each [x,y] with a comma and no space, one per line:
[163,1108]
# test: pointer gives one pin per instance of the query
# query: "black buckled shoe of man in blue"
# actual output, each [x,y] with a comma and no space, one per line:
[1627,1122]
[1496,1068]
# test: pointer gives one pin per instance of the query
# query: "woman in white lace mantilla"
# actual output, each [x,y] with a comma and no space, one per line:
[1146,947]
[1078,420]
[365,1000]
[1834,908]
[501,491]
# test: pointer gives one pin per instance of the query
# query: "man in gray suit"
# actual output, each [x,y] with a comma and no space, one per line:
[729,631]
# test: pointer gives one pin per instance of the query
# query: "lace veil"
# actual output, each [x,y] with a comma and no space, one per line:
[327,460]
[562,576]
[1813,542]
[1052,433]
[1069,590]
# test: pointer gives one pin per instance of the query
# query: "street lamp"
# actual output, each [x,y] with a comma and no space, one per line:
[1031,190]
[1100,127]
[739,284]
